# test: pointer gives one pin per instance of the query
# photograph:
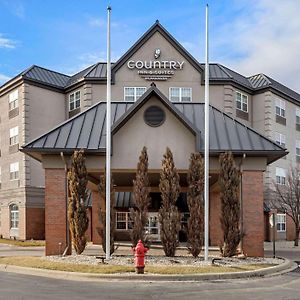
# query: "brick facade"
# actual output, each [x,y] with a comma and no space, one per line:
[55,211]
[35,223]
[252,209]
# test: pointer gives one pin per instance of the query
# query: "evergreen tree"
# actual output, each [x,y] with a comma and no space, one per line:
[102,213]
[195,178]
[77,212]
[229,180]
[139,214]
[169,217]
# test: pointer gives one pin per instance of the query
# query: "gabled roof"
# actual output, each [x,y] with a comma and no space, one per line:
[87,130]
[157,27]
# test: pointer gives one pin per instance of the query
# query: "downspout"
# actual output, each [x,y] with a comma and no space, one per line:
[67,196]
[241,200]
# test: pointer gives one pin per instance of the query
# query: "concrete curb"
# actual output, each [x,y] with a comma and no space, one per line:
[286,266]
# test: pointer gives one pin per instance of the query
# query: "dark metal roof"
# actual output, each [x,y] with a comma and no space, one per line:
[262,81]
[122,200]
[87,130]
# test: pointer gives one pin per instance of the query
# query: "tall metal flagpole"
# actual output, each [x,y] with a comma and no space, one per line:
[206,143]
[108,137]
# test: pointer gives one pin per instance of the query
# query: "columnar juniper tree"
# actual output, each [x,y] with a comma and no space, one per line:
[286,198]
[169,217]
[229,181]
[195,178]
[77,213]
[139,214]
[102,213]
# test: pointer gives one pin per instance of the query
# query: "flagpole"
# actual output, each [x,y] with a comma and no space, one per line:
[206,144]
[108,138]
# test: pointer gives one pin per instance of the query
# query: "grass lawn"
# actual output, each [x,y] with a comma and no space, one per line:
[30,243]
[41,263]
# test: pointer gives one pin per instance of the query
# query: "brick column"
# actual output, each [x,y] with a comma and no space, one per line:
[253,213]
[55,211]
[215,229]
[96,238]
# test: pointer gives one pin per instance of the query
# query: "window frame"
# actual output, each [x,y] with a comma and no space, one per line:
[135,94]
[14,136]
[13,100]
[280,104]
[127,221]
[297,115]
[280,139]
[75,100]
[14,216]
[280,176]
[281,223]
[297,147]
[14,172]
[180,89]
[241,101]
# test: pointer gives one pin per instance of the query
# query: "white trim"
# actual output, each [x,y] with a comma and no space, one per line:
[74,100]
[180,93]
[134,92]
[279,216]
[247,102]
[281,105]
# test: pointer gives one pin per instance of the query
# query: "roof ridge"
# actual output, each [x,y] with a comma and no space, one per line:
[262,75]
[91,69]
[224,69]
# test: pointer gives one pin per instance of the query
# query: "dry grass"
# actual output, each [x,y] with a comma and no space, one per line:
[35,262]
[29,243]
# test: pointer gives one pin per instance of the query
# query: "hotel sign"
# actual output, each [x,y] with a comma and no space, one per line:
[155,69]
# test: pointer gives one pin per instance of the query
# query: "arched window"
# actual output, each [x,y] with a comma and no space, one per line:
[14,216]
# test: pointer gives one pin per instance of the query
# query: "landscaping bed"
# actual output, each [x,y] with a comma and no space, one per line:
[29,243]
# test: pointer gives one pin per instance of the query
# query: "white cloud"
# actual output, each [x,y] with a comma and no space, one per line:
[3,78]
[264,38]
[101,23]
[16,7]
[7,43]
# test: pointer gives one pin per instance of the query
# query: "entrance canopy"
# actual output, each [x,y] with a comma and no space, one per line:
[181,125]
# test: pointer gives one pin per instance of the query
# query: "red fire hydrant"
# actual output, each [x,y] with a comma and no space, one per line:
[139,257]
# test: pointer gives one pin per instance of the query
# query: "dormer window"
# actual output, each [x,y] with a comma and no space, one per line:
[74,100]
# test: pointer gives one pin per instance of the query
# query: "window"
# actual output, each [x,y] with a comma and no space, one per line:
[123,221]
[280,108]
[298,147]
[281,222]
[241,101]
[14,136]
[14,216]
[74,100]
[14,171]
[280,139]
[133,93]
[280,176]
[297,115]
[13,100]
[180,94]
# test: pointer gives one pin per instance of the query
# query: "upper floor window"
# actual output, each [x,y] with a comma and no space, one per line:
[13,99]
[280,139]
[281,222]
[14,136]
[133,93]
[280,176]
[297,115]
[280,108]
[74,100]
[180,94]
[14,216]
[298,147]
[241,101]
[14,171]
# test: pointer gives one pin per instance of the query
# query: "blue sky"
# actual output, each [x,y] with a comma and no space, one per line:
[67,35]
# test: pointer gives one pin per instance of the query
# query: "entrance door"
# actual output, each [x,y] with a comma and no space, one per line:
[152,227]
